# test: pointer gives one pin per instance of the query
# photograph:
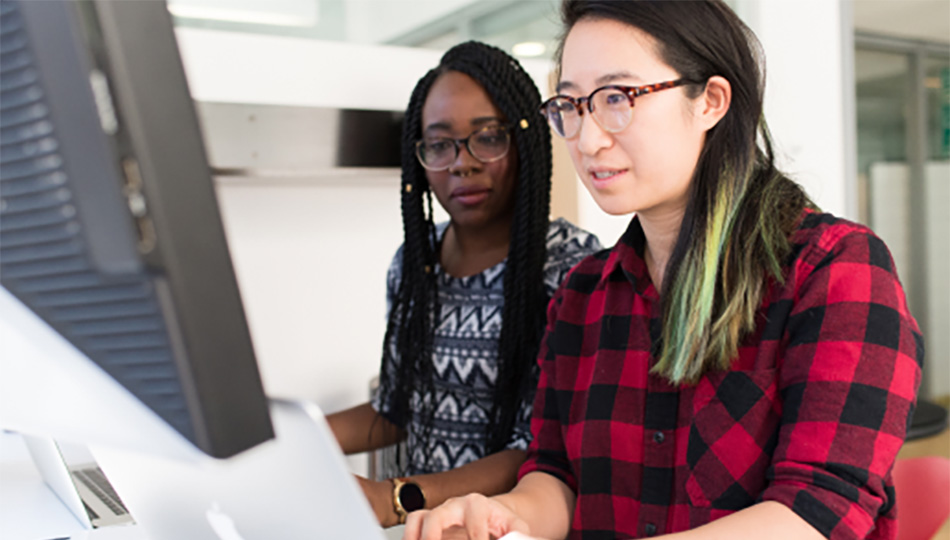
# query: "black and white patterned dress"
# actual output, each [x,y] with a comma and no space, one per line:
[465,354]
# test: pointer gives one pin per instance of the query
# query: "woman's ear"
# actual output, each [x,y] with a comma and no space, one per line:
[714,102]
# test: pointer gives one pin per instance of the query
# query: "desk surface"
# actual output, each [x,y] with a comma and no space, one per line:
[30,511]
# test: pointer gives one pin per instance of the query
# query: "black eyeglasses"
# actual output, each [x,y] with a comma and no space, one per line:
[487,144]
[611,106]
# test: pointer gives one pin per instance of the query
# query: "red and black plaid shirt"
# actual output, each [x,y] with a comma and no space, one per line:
[811,413]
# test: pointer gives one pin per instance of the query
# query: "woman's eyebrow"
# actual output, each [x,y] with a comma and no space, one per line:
[600,81]
[446,126]
[437,126]
[485,120]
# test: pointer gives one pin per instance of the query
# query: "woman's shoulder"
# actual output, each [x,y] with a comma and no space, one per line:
[822,238]
[564,239]
[814,223]
[567,246]
[396,261]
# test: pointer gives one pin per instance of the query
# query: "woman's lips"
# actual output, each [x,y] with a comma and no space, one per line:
[601,178]
[470,196]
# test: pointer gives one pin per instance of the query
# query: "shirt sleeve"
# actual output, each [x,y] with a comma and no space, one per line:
[567,245]
[521,434]
[848,380]
[547,452]
[382,400]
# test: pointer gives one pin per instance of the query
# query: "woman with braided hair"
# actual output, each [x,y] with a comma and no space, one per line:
[466,298]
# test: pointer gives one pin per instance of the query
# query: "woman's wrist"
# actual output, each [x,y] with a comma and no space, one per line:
[511,501]
[384,505]
[543,503]
[380,498]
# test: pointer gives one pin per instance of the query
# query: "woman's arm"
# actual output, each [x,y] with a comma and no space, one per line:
[540,506]
[361,429]
[848,380]
[767,519]
[490,475]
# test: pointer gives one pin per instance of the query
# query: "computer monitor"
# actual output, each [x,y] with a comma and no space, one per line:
[110,233]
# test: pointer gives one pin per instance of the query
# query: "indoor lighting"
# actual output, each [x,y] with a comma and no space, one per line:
[239,15]
[529,48]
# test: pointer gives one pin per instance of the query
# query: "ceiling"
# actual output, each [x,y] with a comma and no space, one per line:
[504,23]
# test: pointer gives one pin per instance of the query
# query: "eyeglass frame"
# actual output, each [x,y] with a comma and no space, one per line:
[523,124]
[631,92]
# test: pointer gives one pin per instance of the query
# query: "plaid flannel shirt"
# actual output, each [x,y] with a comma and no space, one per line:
[811,413]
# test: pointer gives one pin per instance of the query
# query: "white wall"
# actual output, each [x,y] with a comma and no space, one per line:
[311,257]
[806,100]
[235,67]
[310,252]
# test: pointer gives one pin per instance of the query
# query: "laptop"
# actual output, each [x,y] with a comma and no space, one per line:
[82,487]
[294,486]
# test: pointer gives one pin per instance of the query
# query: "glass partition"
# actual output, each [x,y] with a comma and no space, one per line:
[903,147]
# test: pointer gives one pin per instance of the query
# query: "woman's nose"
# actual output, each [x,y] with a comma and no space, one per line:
[591,138]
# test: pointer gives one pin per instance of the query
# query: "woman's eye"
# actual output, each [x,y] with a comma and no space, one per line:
[438,146]
[615,99]
[492,138]
[563,106]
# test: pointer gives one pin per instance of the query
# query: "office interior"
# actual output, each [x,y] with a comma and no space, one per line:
[858,111]
[857,99]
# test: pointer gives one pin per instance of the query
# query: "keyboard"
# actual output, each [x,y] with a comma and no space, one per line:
[96,481]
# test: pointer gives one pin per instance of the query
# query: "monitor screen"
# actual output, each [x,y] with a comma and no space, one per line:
[110,232]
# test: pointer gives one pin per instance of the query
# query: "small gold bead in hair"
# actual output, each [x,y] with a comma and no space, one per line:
[408,188]
[523,123]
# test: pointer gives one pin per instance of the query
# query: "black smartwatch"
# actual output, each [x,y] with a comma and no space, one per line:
[407,497]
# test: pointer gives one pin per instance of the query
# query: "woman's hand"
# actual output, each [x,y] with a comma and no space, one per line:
[474,516]
[380,497]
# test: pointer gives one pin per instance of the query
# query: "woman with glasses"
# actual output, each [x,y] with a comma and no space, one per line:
[739,365]
[466,298]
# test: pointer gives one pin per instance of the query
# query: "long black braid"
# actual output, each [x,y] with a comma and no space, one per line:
[412,316]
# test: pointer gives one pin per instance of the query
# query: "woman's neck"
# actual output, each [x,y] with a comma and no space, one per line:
[468,251]
[661,232]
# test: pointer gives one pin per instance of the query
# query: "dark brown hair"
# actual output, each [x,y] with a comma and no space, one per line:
[741,209]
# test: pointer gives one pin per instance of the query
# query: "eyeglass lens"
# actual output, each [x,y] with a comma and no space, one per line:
[611,107]
[486,145]
[612,111]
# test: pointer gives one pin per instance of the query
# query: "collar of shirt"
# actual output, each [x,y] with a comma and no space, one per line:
[626,257]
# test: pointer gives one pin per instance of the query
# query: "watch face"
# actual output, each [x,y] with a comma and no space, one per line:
[411,497]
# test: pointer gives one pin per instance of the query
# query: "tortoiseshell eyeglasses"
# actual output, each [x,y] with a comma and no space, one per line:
[611,106]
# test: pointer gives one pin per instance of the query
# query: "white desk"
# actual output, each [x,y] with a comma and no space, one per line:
[30,511]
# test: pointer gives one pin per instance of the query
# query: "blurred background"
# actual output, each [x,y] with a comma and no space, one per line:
[295,94]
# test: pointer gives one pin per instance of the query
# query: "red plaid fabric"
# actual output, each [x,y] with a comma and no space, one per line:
[811,413]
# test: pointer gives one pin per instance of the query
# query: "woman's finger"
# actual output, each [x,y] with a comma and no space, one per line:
[435,521]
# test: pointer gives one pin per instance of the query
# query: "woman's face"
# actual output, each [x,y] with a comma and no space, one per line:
[473,193]
[646,167]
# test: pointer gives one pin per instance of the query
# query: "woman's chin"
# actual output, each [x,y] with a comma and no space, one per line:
[615,206]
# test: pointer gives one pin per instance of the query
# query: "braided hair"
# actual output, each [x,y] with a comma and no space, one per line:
[413,313]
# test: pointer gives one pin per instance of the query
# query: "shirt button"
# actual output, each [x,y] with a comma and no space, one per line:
[650,529]
[658,437]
